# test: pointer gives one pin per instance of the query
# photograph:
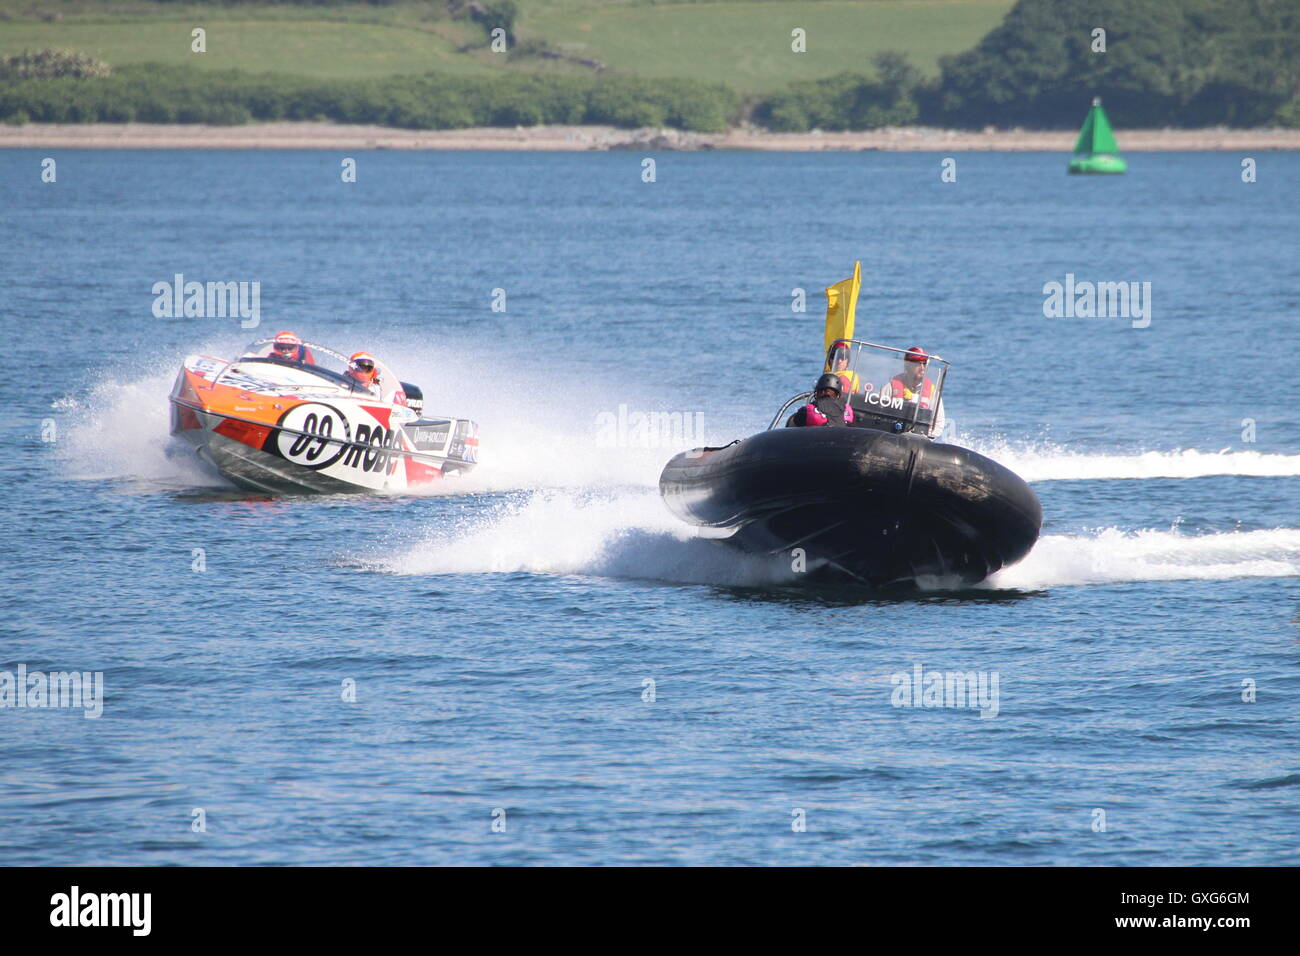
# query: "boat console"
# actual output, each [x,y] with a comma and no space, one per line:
[889,389]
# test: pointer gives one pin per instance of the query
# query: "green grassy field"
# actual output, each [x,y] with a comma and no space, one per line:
[744,44]
[747,45]
[304,47]
[351,41]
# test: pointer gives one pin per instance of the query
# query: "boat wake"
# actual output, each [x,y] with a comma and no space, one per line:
[1111,556]
[622,534]
[629,534]
[1053,463]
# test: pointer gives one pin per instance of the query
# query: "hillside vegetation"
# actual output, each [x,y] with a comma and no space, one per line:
[695,65]
[746,45]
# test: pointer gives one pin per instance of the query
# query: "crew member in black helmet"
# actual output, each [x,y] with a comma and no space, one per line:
[828,405]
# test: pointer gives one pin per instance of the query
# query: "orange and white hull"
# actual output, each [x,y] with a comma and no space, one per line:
[273,437]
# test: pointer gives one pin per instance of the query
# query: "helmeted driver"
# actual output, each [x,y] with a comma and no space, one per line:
[363,370]
[828,406]
[912,385]
[287,347]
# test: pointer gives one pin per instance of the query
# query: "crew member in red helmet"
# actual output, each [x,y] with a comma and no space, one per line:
[912,385]
[287,347]
[363,370]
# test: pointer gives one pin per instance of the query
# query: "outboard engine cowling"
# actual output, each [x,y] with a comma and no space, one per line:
[414,398]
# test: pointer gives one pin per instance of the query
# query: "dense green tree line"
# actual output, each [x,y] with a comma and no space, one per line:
[154,93]
[1166,62]
[847,101]
[1183,63]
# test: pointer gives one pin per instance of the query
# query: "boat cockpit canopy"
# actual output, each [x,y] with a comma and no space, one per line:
[321,362]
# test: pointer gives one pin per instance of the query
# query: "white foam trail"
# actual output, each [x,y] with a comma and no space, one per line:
[1053,463]
[121,431]
[517,455]
[1110,556]
[630,534]
[623,535]
[549,428]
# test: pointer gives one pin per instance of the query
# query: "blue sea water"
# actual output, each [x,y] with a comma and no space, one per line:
[504,636]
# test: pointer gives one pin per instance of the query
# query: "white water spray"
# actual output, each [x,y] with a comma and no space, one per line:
[590,509]
[1111,556]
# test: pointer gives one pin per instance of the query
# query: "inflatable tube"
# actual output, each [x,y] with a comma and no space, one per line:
[866,505]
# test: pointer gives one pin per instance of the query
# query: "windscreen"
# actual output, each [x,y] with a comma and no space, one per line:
[308,354]
[882,382]
[324,363]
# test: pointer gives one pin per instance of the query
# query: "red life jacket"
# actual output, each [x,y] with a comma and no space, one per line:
[899,389]
[300,354]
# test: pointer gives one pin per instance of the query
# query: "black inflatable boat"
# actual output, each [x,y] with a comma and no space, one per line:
[879,501]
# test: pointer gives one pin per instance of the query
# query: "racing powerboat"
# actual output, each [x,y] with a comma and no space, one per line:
[880,502]
[303,423]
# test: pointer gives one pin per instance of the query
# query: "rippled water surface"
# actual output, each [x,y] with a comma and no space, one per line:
[502,634]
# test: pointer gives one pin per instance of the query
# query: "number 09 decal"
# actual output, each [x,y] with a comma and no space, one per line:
[311,435]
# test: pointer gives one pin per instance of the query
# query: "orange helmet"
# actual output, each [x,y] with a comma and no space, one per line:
[285,343]
[362,365]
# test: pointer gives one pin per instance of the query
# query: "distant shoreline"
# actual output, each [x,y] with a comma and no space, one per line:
[331,136]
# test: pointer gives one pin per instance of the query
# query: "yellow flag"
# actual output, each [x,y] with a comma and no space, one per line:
[841,302]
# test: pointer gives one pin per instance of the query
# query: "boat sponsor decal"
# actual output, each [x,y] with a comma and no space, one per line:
[465,447]
[464,450]
[312,434]
[205,367]
[247,383]
[380,455]
[883,400]
[429,437]
[318,436]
